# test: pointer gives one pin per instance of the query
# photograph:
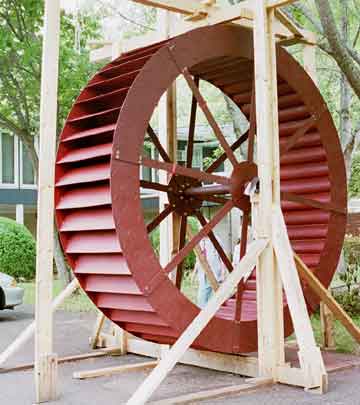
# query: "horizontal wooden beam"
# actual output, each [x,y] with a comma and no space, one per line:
[186,7]
[108,371]
[232,390]
[279,3]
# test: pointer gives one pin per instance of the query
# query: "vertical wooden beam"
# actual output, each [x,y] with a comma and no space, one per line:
[269,289]
[45,360]
[326,316]
[169,229]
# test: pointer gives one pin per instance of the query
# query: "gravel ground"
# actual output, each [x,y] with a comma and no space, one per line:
[71,337]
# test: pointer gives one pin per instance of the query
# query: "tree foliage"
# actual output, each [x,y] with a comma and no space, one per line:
[21,23]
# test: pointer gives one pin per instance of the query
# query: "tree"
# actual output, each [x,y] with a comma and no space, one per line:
[21,24]
[338,29]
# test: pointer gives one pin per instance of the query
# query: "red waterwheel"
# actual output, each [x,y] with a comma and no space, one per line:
[98,204]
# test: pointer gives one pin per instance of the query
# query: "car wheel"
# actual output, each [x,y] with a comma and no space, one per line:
[2,299]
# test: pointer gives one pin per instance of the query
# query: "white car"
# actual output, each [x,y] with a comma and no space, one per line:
[10,294]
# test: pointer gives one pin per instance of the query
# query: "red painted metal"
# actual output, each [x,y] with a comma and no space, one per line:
[98,201]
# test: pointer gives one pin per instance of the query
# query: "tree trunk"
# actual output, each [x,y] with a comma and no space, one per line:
[60,262]
[346,133]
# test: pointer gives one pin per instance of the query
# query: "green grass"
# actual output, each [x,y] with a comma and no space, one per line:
[77,302]
[344,341]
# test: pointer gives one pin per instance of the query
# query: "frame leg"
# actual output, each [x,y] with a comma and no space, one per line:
[309,354]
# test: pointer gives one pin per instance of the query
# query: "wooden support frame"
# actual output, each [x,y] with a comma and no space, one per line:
[45,359]
[271,363]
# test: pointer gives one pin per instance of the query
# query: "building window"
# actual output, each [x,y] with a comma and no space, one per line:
[27,170]
[9,161]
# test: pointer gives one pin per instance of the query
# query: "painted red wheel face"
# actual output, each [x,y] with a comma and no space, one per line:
[99,210]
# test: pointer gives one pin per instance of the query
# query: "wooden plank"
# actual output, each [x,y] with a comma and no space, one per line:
[149,386]
[67,359]
[278,3]
[309,354]
[45,359]
[186,7]
[108,371]
[235,364]
[314,283]
[269,290]
[100,320]
[216,393]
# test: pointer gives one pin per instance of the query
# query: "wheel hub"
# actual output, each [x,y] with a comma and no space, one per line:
[183,203]
[242,174]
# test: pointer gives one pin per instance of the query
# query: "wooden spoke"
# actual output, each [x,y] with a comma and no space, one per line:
[155,140]
[203,232]
[157,221]
[182,240]
[215,242]
[184,171]
[203,105]
[243,245]
[154,186]
[252,129]
[221,159]
[286,196]
[190,145]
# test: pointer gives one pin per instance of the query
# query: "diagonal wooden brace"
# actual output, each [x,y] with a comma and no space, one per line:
[310,357]
[246,265]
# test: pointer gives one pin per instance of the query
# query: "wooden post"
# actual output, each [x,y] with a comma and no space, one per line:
[45,360]
[310,358]
[169,229]
[326,316]
[269,289]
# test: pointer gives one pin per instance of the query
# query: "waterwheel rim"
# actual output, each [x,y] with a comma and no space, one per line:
[174,309]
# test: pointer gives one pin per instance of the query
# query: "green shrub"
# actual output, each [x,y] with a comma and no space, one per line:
[17,250]
[352,259]
[350,298]
[190,260]
[350,301]
[354,184]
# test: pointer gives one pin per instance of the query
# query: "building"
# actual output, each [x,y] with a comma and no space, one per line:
[18,192]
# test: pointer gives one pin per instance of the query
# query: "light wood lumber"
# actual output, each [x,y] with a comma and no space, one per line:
[149,386]
[67,359]
[309,354]
[314,283]
[108,371]
[45,359]
[100,320]
[278,3]
[216,393]
[186,7]
[269,290]
[235,364]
